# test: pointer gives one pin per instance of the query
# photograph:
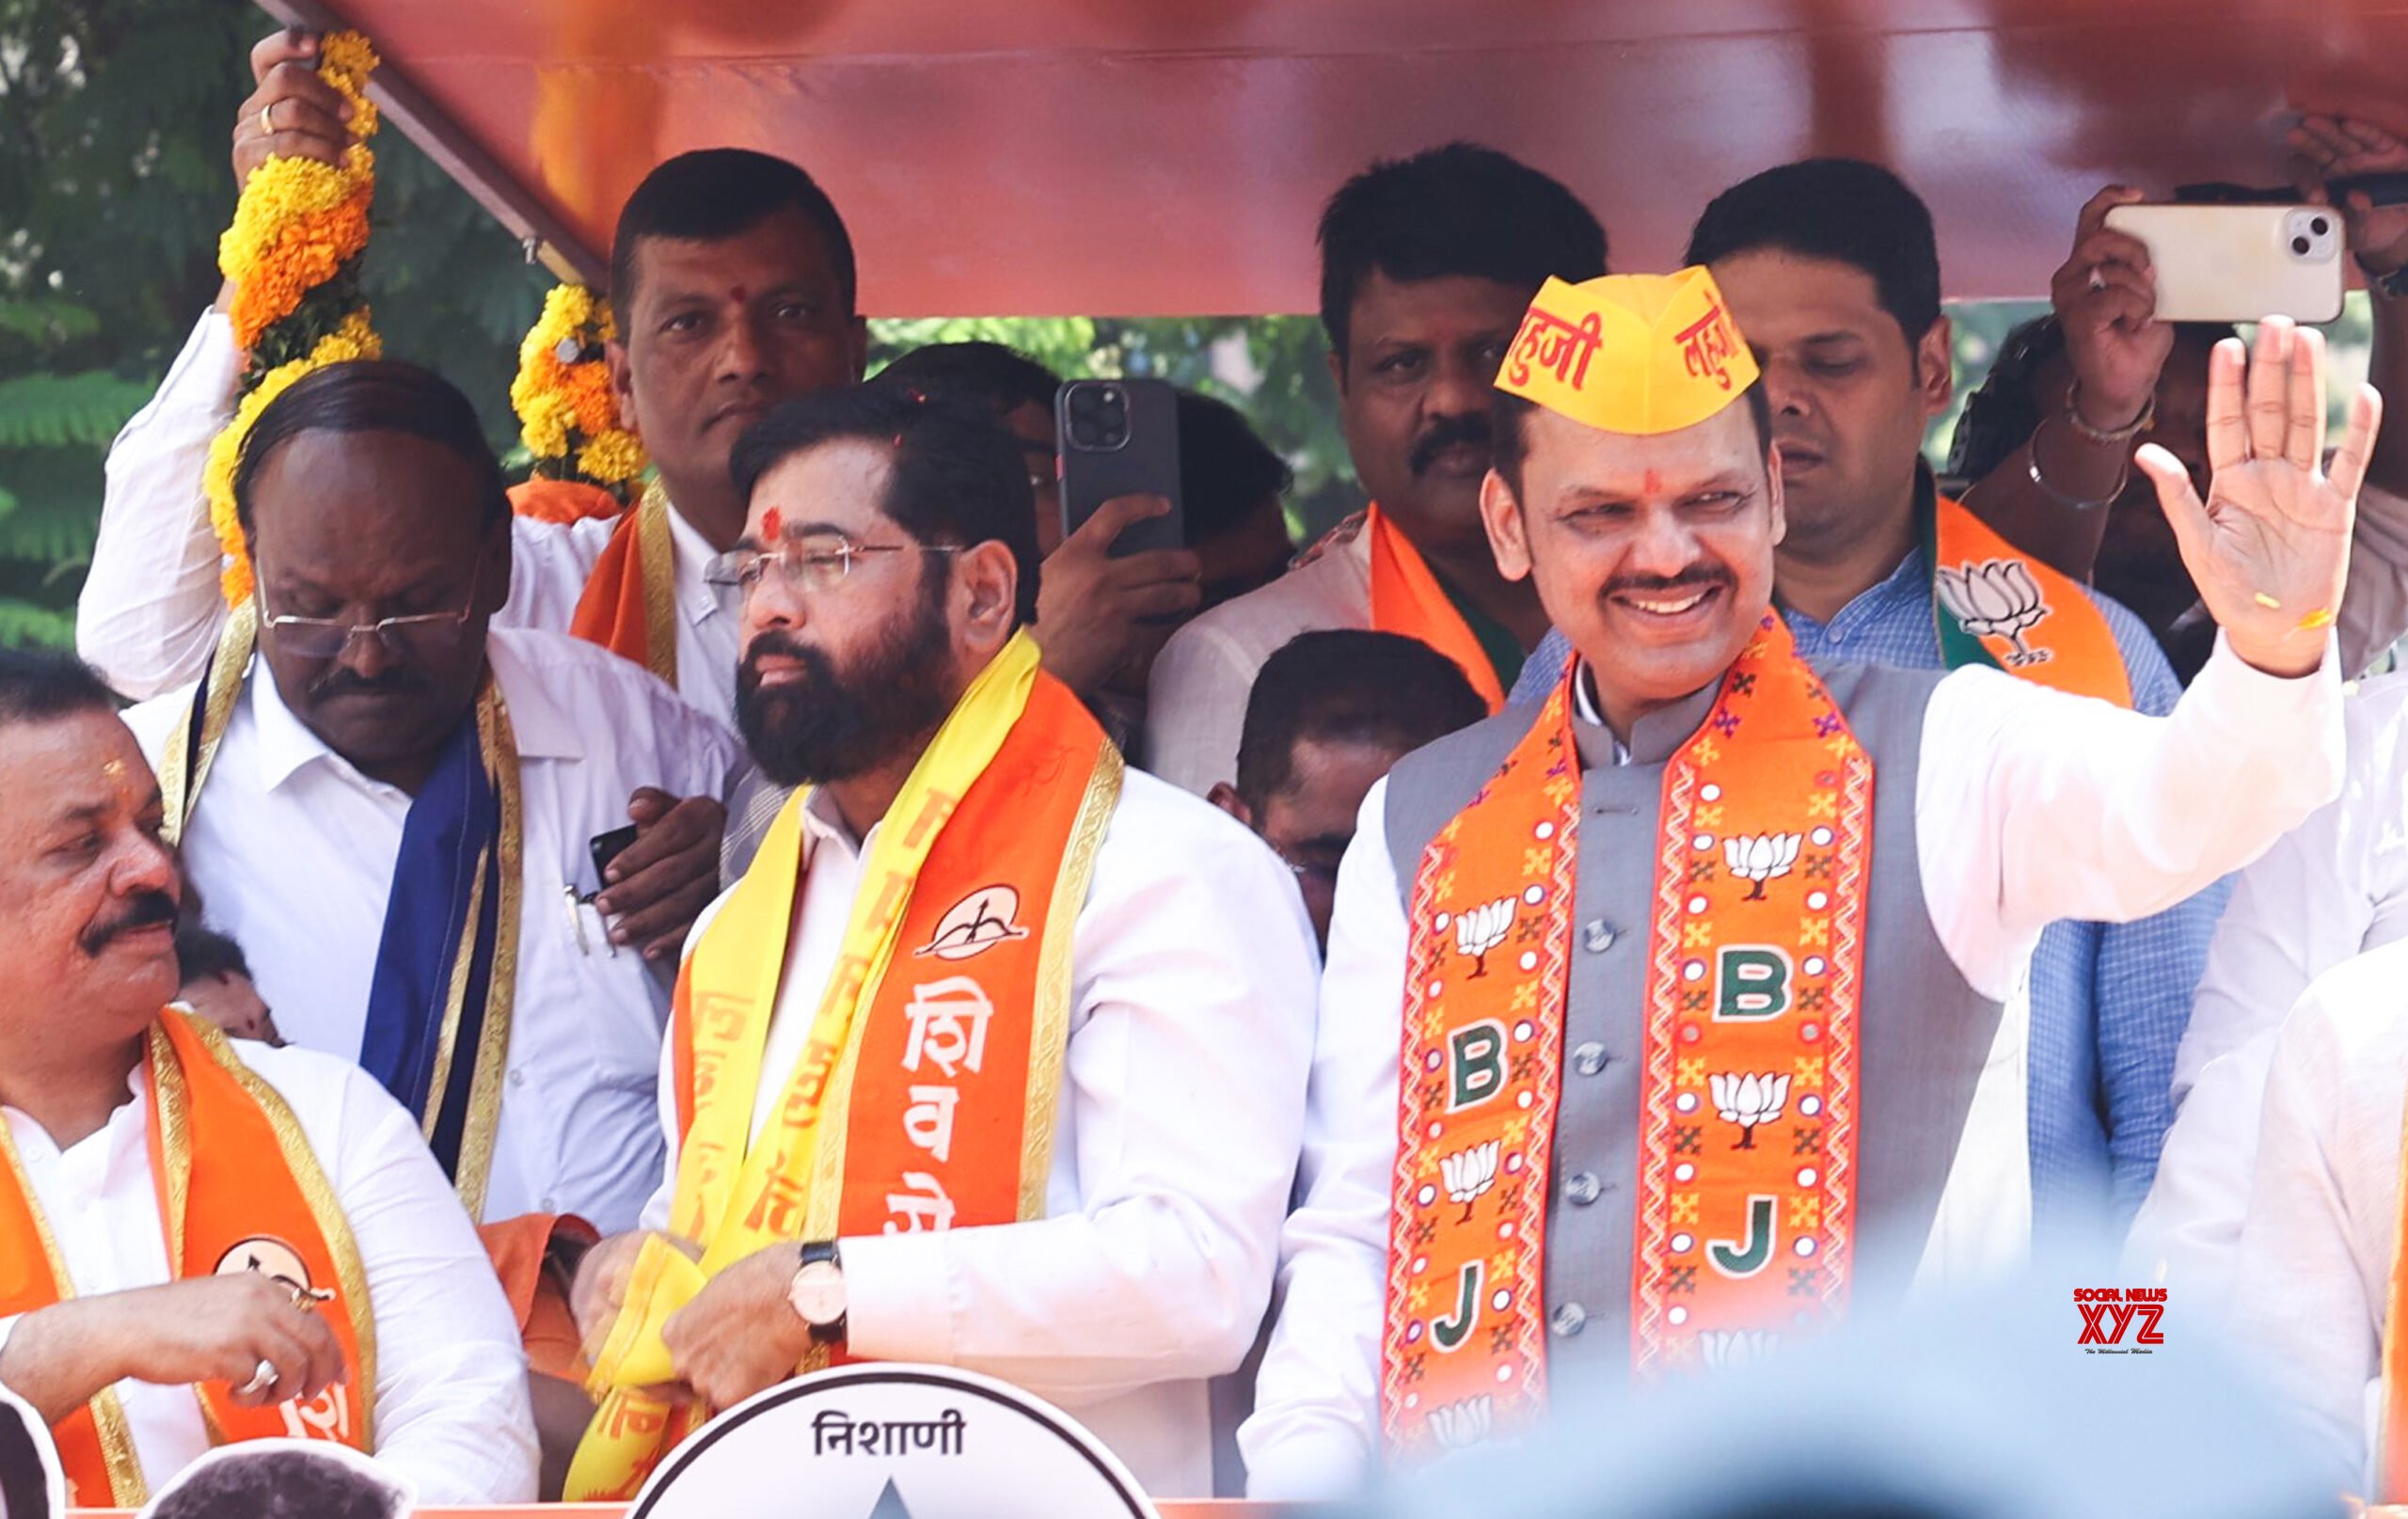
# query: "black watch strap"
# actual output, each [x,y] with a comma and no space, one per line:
[814,1252]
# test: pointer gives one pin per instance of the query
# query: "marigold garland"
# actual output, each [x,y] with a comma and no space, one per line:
[567,417]
[293,252]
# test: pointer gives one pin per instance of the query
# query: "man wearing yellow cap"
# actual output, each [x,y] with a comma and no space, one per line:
[1649,1006]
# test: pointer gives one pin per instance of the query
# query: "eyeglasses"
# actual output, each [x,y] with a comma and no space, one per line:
[818,567]
[416,636]
[1320,870]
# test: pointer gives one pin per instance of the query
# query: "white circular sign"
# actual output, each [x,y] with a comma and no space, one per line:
[894,1441]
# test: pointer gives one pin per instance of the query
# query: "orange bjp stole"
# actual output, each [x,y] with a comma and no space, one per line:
[1407,598]
[1748,1121]
[239,1190]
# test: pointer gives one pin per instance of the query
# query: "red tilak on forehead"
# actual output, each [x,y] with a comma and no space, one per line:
[738,294]
[1655,483]
[773,524]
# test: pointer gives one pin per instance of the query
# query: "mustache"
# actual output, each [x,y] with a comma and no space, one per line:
[787,647]
[1445,433]
[144,909]
[1696,577]
[340,681]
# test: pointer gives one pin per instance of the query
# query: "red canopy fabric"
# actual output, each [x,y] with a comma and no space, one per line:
[1160,157]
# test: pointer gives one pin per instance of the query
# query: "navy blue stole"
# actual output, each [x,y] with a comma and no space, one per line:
[428,1005]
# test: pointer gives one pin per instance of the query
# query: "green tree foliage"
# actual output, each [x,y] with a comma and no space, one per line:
[114,185]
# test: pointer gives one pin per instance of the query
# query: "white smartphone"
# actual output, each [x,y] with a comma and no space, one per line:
[2237,263]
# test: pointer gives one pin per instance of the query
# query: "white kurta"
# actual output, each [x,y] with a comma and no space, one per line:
[1191,972]
[2312,1274]
[2031,806]
[1196,695]
[150,611]
[450,1394]
[293,850]
[2331,888]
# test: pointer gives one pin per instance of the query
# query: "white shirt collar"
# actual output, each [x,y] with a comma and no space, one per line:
[1584,707]
[539,727]
[693,555]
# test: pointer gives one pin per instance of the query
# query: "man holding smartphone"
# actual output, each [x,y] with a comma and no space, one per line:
[1427,264]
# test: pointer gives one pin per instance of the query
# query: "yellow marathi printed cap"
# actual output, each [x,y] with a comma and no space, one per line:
[1630,353]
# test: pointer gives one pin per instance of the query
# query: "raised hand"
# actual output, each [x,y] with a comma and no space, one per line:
[1093,611]
[2105,297]
[292,113]
[2270,548]
[2330,146]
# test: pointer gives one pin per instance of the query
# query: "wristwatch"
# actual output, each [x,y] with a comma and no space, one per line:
[817,1292]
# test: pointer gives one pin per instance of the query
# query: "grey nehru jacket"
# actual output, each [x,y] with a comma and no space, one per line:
[1923,1034]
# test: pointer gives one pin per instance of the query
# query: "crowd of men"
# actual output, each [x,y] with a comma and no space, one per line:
[1671,870]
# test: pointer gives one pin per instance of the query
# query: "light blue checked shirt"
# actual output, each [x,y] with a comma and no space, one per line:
[2101,1087]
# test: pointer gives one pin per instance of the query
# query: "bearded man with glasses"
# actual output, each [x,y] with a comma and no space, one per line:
[401,811]
[995,1056]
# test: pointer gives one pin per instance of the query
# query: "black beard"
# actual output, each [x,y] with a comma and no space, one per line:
[830,726]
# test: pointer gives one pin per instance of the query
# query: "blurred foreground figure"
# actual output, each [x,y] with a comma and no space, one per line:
[1988,1411]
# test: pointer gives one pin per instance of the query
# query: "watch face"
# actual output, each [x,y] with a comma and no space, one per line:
[818,1292]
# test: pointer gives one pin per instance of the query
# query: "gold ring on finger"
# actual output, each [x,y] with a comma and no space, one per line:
[308,1298]
[267,119]
[262,1378]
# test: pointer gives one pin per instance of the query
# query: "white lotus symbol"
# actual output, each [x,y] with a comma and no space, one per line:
[1996,598]
[1760,858]
[1731,1350]
[1482,929]
[1460,1426]
[1469,1173]
[1749,1100]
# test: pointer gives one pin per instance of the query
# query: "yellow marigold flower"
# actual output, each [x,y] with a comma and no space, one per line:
[544,425]
[612,457]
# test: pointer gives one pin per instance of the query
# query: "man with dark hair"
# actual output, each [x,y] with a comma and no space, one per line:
[1427,263]
[281,1482]
[314,1274]
[734,284]
[215,980]
[1046,1019]
[396,808]
[1330,713]
[1676,1016]
[1233,487]
[1833,270]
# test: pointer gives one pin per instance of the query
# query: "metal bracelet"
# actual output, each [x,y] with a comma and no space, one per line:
[2074,504]
[2103,436]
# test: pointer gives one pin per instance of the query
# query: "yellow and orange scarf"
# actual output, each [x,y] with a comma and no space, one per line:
[925,1098]
[237,1183]
[1748,1096]
[1407,598]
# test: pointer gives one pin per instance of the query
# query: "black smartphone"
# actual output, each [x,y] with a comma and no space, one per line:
[1120,437]
[606,847]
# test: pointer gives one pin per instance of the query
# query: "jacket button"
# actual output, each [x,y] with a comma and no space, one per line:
[1599,936]
[1582,1187]
[1589,1059]
[1568,1321]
